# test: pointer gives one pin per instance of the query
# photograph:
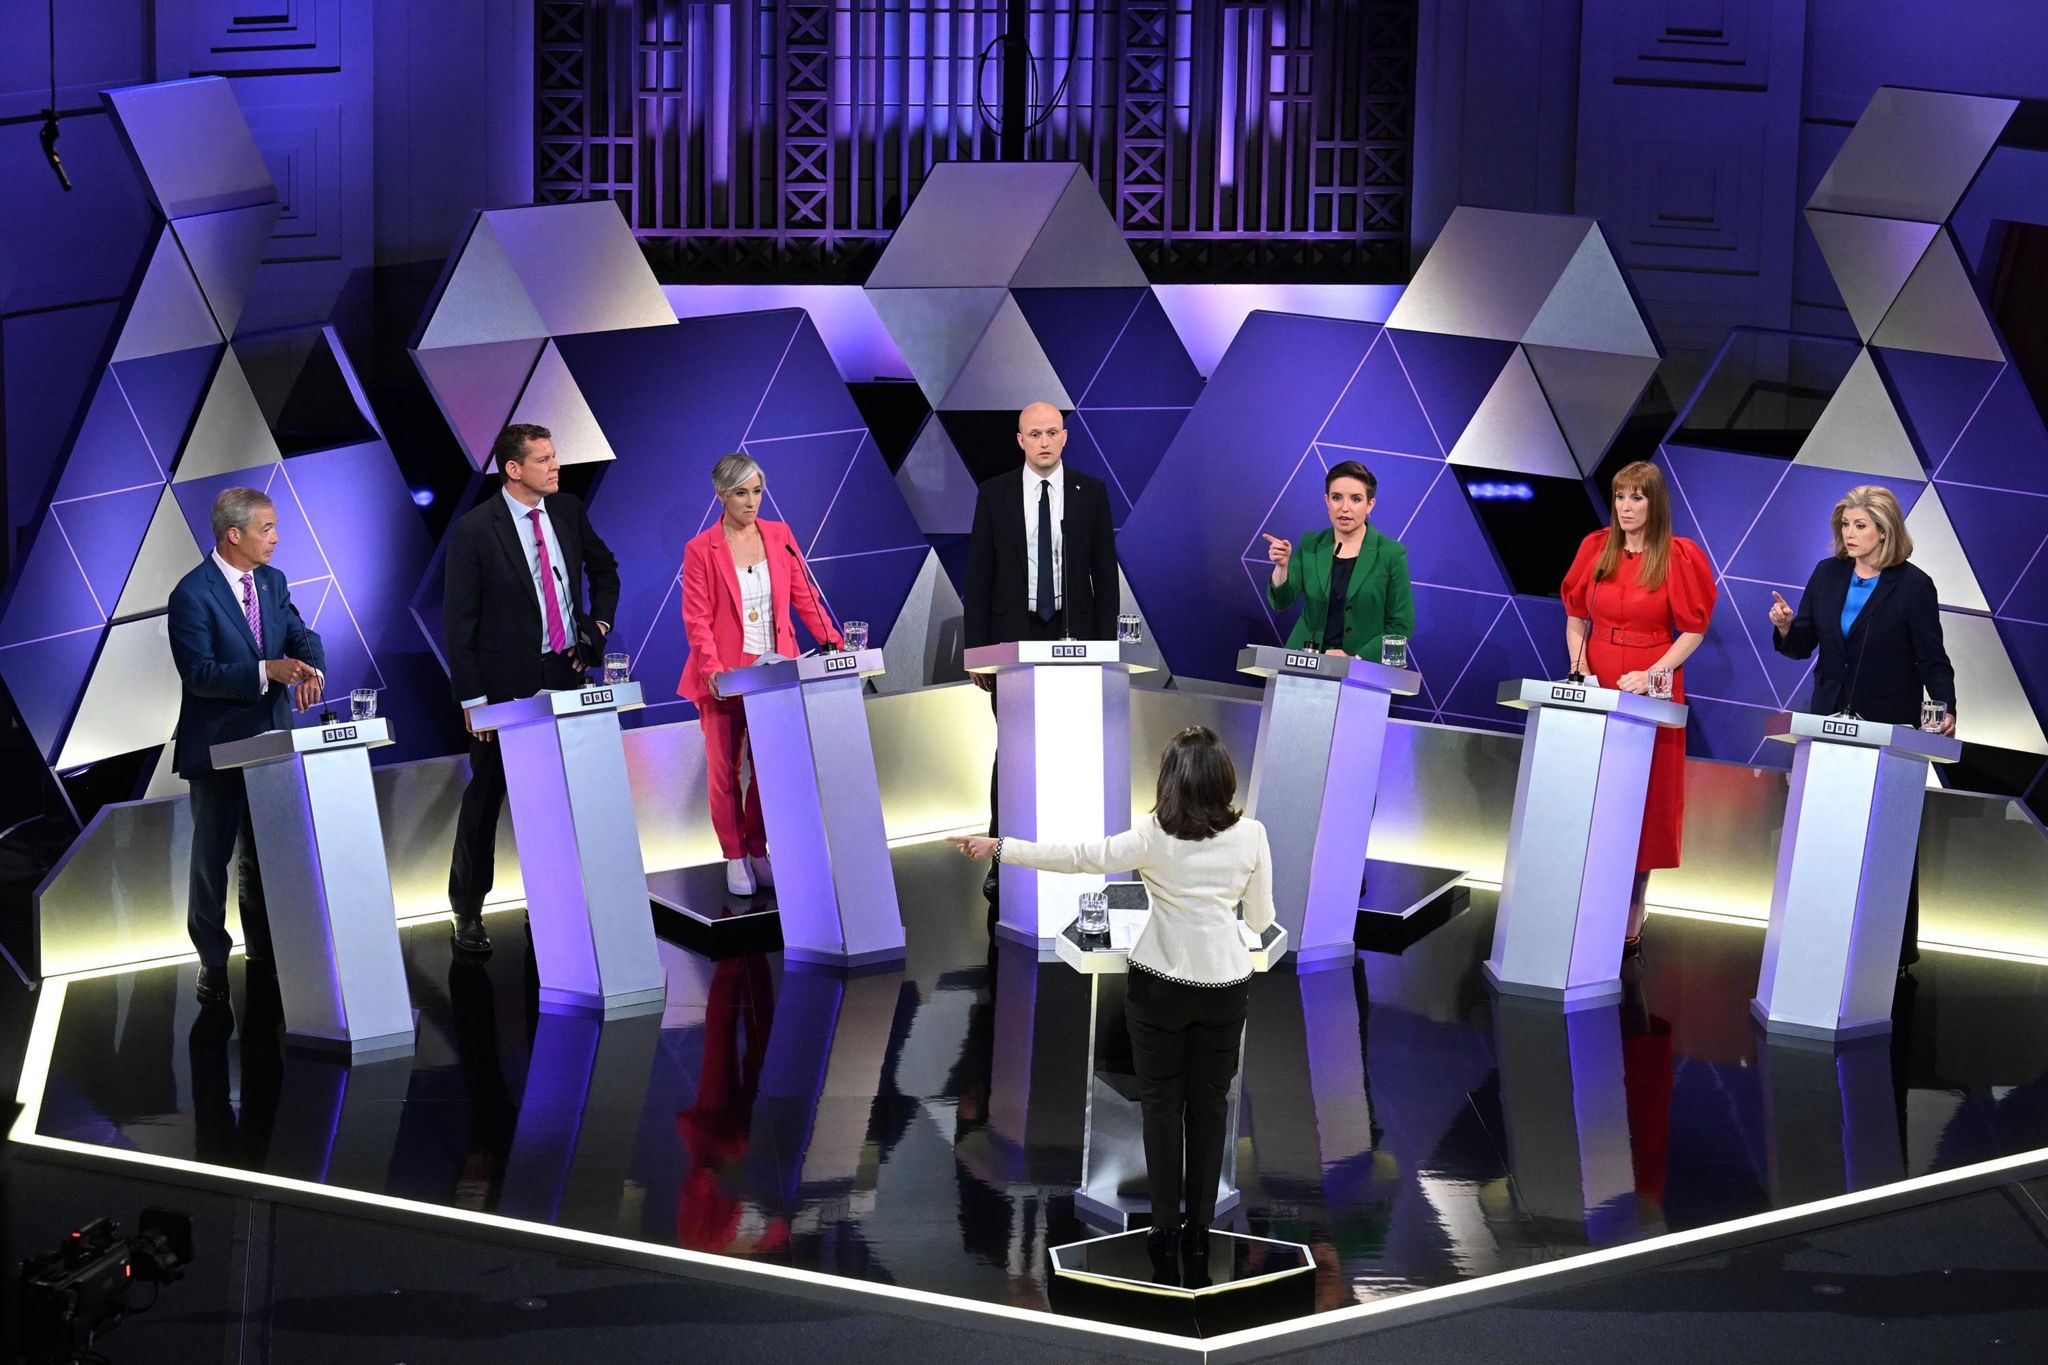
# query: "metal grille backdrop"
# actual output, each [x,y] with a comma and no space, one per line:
[1232,139]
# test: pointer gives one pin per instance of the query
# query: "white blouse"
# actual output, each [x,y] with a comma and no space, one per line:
[1195,885]
[757,609]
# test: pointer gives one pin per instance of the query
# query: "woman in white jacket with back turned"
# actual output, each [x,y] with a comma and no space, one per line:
[1190,970]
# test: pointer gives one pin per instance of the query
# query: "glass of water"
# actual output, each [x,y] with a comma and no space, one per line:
[856,633]
[1094,919]
[362,703]
[1128,631]
[1933,714]
[1394,651]
[618,667]
[1660,684]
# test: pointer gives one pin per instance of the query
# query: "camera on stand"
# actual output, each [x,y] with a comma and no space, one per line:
[78,1293]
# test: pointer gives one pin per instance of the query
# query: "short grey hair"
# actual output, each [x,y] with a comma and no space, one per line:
[733,470]
[233,508]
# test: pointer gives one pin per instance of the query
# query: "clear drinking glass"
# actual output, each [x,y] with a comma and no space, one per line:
[856,633]
[1094,913]
[1660,684]
[362,703]
[1394,651]
[618,667]
[1128,631]
[1932,714]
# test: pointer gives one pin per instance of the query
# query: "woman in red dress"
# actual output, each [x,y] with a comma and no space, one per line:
[1638,598]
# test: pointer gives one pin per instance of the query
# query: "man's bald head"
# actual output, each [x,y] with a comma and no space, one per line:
[1042,436]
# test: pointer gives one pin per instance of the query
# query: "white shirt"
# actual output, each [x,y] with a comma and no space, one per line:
[1195,885]
[757,608]
[561,584]
[1032,483]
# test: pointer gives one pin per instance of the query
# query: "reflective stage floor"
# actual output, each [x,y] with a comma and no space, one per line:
[922,1127]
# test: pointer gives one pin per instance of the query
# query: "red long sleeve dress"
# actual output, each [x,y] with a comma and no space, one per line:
[1631,628]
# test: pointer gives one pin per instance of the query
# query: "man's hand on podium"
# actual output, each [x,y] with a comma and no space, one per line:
[486,736]
[306,695]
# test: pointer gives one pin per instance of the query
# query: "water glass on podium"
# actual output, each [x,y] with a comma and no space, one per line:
[856,633]
[1933,715]
[1128,631]
[362,703]
[1660,684]
[1394,651]
[617,668]
[1094,919]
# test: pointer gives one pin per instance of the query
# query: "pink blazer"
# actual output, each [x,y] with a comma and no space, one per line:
[711,604]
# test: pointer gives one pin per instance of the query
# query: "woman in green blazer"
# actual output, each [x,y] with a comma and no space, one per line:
[1368,570]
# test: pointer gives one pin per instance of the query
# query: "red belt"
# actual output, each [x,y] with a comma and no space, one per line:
[1637,639]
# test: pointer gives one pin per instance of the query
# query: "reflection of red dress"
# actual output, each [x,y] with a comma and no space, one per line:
[1631,629]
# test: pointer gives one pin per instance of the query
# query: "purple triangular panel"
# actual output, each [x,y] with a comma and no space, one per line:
[1716,495]
[110,451]
[1403,483]
[47,677]
[1736,661]
[1449,628]
[369,531]
[869,587]
[2026,644]
[867,513]
[1935,395]
[803,475]
[1147,368]
[349,664]
[1791,533]
[1083,454]
[1446,546]
[1133,441]
[1380,411]
[1076,328]
[2028,599]
[1733,733]
[1451,375]
[660,647]
[113,525]
[298,553]
[165,392]
[1543,617]
[1506,652]
[1295,510]
[50,596]
[806,393]
[2004,445]
[2000,533]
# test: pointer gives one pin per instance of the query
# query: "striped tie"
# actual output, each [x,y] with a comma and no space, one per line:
[250,610]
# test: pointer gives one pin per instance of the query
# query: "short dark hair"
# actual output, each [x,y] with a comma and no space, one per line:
[1196,783]
[1352,469]
[512,442]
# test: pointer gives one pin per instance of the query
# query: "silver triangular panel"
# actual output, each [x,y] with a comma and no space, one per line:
[553,400]
[476,388]
[1860,429]
[936,483]
[971,224]
[131,701]
[483,299]
[1591,395]
[1514,430]
[1590,308]
[1938,311]
[924,643]
[1008,369]
[581,267]
[1938,550]
[936,329]
[1080,246]
[230,432]
[163,780]
[1991,705]
[1489,272]
[1870,259]
[1912,154]
[169,312]
[224,250]
[168,552]
[1146,651]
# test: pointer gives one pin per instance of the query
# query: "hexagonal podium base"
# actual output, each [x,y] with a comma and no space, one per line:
[1250,1282]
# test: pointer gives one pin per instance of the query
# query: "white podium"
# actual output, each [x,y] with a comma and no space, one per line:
[1114,1189]
[1315,779]
[1845,865]
[822,803]
[333,926]
[579,848]
[1063,759]
[1578,818]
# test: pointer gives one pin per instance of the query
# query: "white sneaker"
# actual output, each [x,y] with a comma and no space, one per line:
[764,871]
[738,879]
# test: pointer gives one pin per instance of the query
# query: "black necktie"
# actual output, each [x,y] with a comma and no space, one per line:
[1045,549]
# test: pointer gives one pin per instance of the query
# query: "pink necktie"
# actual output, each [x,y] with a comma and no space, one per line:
[249,609]
[558,639]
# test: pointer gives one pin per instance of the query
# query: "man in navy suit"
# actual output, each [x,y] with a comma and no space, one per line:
[244,657]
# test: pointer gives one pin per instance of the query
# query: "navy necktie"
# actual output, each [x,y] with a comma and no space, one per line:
[1045,550]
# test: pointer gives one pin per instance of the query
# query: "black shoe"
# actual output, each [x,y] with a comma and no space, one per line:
[469,935]
[213,984]
[1194,1256]
[1162,1245]
[259,965]
[991,886]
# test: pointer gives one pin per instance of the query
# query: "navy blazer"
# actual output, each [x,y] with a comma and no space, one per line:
[222,695]
[1894,650]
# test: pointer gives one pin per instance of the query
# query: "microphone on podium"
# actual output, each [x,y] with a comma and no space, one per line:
[1848,707]
[824,604]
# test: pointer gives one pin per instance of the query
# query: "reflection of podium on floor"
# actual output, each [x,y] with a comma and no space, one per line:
[1035,1111]
[579,1122]
[1564,1099]
[1311,1116]
[1571,855]
[1831,1116]
[1845,867]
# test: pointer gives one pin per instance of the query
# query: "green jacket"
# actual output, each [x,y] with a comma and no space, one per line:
[1378,602]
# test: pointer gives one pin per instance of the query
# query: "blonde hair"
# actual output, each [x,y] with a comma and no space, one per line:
[1646,479]
[1894,542]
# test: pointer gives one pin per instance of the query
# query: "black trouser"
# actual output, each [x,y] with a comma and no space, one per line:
[474,866]
[1034,629]
[1184,1045]
[221,831]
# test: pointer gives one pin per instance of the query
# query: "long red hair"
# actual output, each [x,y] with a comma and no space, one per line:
[1643,477]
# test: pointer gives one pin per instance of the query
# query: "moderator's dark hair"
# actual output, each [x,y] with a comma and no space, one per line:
[512,442]
[1196,782]
[1352,469]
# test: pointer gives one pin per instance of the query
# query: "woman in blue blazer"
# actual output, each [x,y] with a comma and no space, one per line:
[1876,621]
